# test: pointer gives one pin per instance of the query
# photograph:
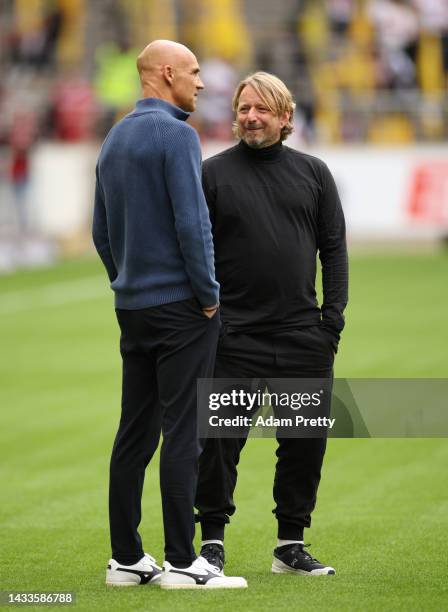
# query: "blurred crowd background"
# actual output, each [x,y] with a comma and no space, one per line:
[362,72]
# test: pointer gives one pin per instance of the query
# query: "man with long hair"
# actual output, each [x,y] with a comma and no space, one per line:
[273,209]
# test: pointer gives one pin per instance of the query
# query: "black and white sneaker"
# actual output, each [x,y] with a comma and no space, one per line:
[293,559]
[145,571]
[214,554]
[200,575]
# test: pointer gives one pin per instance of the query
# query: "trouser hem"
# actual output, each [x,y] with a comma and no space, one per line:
[180,563]
[212,531]
[287,531]
[128,559]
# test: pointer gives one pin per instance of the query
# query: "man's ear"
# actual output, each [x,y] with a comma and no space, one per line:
[284,119]
[168,73]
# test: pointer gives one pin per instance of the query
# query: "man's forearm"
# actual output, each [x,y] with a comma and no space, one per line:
[106,257]
[335,289]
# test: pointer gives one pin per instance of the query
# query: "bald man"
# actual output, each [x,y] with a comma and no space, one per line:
[152,231]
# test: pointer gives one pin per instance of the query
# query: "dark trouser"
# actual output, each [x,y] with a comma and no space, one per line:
[164,350]
[299,353]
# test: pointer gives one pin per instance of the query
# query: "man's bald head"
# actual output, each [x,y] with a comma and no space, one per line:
[170,71]
[159,53]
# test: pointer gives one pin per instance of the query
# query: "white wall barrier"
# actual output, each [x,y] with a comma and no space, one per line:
[392,193]
[62,188]
[387,193]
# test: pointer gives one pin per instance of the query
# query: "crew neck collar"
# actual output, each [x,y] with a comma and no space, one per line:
[266,154]
[148,104]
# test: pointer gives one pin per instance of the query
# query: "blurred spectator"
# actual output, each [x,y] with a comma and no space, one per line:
[33,40]
[22,136]
[433,15]
[216,29]
[340,14]
[117,85]
[350,63]
[74,110]
[304,119]
[52,26]
[215,103]
[19,176]
[396,28]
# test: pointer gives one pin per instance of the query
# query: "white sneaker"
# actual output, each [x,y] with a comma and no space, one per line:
[200,575]
[145,571]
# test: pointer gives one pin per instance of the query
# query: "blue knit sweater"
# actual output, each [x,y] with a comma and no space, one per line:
[151,226]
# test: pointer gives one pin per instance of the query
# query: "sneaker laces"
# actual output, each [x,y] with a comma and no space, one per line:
[305,553]
[206,564]
[214,555]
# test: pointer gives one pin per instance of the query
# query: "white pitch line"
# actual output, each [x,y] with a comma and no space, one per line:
[56,294]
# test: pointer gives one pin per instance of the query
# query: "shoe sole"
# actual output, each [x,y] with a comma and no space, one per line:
[131,584]
[201,586]
[112,583]
[278,567]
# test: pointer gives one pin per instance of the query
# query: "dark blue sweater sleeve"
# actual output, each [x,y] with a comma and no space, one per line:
[192,222]
[100,232]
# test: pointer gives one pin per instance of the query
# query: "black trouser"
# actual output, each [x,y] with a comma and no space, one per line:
[164,350]
[299,353]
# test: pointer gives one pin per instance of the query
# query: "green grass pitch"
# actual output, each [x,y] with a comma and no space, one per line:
[382,512]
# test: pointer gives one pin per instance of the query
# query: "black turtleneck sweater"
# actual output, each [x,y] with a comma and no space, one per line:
[272,210]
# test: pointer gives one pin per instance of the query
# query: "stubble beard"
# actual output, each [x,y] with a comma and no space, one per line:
[255,142]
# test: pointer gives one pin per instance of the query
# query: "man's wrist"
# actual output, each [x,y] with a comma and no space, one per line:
[331,330]
[210,308]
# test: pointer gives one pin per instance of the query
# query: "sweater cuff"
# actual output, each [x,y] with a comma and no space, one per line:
[209,300]
[335,336]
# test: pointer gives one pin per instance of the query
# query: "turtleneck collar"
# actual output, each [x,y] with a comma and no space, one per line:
[148,104]
[272,153]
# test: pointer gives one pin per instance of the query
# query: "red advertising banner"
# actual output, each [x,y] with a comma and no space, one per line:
[428,196]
